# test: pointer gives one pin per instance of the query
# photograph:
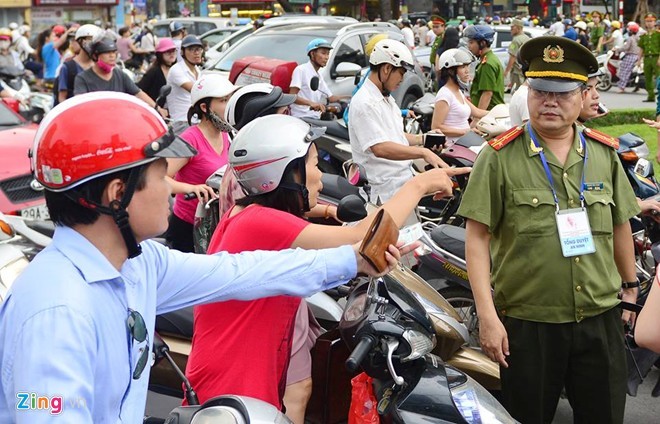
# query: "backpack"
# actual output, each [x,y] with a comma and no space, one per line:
[72,71]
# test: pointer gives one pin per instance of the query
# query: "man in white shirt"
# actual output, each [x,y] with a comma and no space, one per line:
[378,141]
[181,77]
[177,33]
[557,28]
[311,103]
[408,34]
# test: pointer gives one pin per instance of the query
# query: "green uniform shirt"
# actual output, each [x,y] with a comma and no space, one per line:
[515,45]
[650,42]
[489,76]
[509,192]
[595,33]
[434,48]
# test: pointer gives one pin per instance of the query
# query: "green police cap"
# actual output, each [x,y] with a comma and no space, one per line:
[557,64]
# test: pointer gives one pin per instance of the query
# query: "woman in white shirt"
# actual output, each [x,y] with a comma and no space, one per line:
[452,110]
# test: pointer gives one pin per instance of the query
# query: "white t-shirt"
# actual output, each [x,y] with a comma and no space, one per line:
[300,79]
[557,28]
[458,114]
[178,101]
[408,36]
[148,42]
[518,110]
[375,119]
[617,39]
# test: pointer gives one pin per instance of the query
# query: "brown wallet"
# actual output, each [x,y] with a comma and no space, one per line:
[382,232]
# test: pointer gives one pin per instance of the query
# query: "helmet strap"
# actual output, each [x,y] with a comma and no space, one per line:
[384,91]
[116,209]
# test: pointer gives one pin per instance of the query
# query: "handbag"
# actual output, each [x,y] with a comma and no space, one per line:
[382,232]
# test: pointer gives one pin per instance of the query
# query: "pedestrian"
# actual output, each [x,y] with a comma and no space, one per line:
[596,32]
[438,29]
[78,323]
[631,53]
[555,194]
[649,45]
[487,90]
[513,69]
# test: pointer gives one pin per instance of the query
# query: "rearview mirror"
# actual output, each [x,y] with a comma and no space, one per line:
[348,69]
[351,209]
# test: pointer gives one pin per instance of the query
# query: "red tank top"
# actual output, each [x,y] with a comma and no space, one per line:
[243,347]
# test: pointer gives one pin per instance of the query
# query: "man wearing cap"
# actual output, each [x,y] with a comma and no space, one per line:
[549,203]
[80,62]
[182,76]
[311,103]
[177,33]
[513,67]
[649,45]
[438,28]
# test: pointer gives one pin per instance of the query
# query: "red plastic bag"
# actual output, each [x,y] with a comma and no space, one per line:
[364,408]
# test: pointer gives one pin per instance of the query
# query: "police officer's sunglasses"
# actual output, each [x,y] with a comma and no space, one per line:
[138,331]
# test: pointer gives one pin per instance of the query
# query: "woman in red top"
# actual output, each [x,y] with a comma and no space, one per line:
[209,96]
[243,347]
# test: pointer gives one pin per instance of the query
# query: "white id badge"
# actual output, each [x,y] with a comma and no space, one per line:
[574,232]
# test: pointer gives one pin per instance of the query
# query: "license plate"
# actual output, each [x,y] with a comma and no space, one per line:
[39,212]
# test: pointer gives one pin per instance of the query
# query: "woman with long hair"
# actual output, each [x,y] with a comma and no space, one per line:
[244,348]
[156,75]
[452,110]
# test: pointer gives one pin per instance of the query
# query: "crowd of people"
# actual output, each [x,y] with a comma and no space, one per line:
[551,321]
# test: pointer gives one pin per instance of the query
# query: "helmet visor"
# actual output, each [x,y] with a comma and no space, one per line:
[169,146]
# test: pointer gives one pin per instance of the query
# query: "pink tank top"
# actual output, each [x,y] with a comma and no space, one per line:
[198,169]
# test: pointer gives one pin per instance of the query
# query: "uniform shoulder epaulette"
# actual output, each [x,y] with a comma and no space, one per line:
[506,137]
[601,137]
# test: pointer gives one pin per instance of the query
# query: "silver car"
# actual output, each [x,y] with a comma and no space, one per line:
[289,41]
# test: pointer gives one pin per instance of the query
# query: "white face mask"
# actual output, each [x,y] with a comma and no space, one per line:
[4,44]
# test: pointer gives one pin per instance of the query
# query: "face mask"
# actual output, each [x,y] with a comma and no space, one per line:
[465,85]
[4,44]
[105,67]
[218,123]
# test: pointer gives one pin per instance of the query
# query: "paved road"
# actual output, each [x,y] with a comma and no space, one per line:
[640,409]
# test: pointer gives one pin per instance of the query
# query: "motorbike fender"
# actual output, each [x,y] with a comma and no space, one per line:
[324,307]
[478,366]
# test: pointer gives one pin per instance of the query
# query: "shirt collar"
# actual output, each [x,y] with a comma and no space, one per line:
[532,150]
[91,263]
[373,90]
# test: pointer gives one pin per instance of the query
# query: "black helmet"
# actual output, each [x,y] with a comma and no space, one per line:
[190,41]
[103,45]
[253,101]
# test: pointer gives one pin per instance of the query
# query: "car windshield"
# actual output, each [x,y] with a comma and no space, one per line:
[7,118]
[216,37]
[289,47]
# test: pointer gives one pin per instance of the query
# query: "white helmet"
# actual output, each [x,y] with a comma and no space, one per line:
[23,29]
[210,85]
[263,149]
[13,26]
[454,57]
[88,30]
[254,101]
[393,52]
[581,25]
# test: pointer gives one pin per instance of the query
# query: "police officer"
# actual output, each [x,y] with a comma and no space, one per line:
[549,202]
[649,43]
[487,89]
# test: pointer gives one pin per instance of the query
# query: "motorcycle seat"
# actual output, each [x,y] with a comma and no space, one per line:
[450,238]
[337,187]
[424,105]
[176,323]
[333,128]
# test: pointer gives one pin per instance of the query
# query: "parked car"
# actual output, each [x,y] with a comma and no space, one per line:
[197,25]
[20,193]
[288,42]
[220,39]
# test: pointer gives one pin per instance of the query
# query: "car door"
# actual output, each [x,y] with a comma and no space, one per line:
[349,49]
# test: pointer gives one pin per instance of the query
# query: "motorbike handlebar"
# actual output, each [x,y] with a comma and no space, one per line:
[189,196]
[359,353]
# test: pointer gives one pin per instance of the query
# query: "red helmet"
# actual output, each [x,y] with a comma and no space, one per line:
[633,27]
[99,133]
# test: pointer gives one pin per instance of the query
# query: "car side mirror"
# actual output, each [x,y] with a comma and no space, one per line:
[314,83]
[348,69]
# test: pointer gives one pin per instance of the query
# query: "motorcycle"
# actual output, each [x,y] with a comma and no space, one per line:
[33,105]
[609,65]
[391,338]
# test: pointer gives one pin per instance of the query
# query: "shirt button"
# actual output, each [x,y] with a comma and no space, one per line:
[580,311]
[342,277]
[578,288]
[577,260]
[535,200]
[565,175]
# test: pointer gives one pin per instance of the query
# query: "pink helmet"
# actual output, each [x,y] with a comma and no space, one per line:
[165,44]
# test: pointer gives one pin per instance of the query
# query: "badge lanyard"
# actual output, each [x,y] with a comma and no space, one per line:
[546,167]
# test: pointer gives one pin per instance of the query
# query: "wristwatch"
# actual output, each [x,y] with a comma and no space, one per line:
[629,284]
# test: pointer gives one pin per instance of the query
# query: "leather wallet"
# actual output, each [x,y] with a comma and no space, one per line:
[382,232]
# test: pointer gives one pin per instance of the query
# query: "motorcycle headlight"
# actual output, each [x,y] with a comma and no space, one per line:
[477,405]
[420,344]
[9,273]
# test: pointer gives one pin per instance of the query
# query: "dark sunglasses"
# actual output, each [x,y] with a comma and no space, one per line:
[138,330]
